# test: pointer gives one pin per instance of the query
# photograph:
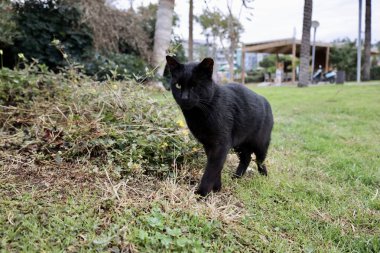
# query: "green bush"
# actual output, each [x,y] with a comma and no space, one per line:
[255,76]
[343,57]
[269,63]
[118,66]
[375,73]
[41,22]
[22,87]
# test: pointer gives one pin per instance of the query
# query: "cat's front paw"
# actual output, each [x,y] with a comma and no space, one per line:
[203,190]
[217,187]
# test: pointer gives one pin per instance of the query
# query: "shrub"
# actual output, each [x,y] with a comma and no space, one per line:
[269,63]
[375,73]
[22,87]
[118,66]
[113,124]
[343,57]
[41,22]
[255,76]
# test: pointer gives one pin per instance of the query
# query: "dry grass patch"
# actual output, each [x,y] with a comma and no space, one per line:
[145,192]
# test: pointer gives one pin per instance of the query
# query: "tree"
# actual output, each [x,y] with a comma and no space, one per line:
[343,57]
[225,27]
[162,36]
[215,23]
[117,31]
[191,19]
[305,44]
[234,30]
[367,42]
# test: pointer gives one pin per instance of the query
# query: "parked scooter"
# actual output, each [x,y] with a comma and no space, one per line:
[319,76]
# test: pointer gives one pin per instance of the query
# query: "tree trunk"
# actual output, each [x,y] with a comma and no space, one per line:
[162,36]
[191,19]
[233,43]
[305,44]
[231,66]
[367,42]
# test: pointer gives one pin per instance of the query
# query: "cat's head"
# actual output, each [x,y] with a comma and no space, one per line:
[191,84]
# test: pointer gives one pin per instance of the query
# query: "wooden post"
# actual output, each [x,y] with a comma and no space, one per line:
[294,48]
[327,59]
[243,64]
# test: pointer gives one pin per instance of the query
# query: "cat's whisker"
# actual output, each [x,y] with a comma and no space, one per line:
[204,101]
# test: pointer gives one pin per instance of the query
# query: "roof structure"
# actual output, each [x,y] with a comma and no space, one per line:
[292,46]
[283,46]
[289,46]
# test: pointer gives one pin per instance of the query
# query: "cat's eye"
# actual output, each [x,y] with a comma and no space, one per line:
[178,86]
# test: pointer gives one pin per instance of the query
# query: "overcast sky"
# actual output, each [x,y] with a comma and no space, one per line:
[277,19]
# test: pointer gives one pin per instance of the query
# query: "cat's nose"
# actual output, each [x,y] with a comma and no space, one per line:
[185,95]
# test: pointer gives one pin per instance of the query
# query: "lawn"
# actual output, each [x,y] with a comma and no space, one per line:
[322,193]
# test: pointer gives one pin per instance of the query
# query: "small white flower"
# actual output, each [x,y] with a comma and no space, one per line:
[55,42]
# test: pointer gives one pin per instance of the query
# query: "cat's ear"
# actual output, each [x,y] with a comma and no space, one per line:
[172,63]
[207,65]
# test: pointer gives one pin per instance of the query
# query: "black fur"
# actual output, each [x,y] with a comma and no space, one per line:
[221,117]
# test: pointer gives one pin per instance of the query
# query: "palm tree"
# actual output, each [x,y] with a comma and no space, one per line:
[162,36]
[367,42]
[191,19]
[305,44]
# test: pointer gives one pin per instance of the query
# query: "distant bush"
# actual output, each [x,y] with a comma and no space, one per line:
[117,66]
[344,57]
[41,22]
[255,76]
[375,73]
[269,63]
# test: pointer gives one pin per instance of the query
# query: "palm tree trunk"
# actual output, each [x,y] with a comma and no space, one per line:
[162,36]
[191,19]
[367,42]
[305,44]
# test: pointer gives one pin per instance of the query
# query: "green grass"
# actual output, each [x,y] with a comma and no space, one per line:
[322,193]
[324,172]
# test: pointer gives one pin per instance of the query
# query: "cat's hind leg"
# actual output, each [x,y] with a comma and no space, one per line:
[261,153]
[245,158]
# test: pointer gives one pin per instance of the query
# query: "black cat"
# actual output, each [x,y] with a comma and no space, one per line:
[221,117]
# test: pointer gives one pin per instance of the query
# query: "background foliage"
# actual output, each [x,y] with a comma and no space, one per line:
[8,28]
[269,63]
[343,57]
[42,22]
[92,33]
